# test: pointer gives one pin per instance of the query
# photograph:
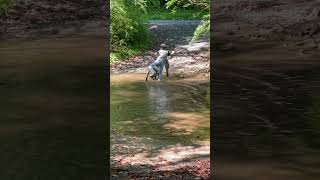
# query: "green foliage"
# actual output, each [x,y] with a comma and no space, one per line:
[191,4]
[203,28]
[203,5]
[135,5]
[4,4]
[127,28]
[180,14]
[153,4]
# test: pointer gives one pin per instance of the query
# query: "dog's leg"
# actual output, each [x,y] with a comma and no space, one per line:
[147,76]
[167,67]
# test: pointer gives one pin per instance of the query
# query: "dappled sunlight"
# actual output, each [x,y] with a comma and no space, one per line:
[196,46]
[192,161]
[205,142]
[178,152]
[188,122]
[127,78]
[164,156]
[127,93]
[153,27]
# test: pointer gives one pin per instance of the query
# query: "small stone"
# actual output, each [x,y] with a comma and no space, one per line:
[54,31]
[228,46]
[310,43]
[300,43]
[301,51]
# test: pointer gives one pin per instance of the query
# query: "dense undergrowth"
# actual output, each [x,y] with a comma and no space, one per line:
[128,32]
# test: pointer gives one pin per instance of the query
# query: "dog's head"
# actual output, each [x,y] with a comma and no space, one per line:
[170,53]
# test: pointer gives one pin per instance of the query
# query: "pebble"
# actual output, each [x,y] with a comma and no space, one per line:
[301,51]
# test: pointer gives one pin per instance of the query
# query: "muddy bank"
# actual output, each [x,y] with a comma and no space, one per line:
[295,22]
[27,19]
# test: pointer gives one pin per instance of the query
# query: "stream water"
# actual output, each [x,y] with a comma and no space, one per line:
[266,104]
[168,112]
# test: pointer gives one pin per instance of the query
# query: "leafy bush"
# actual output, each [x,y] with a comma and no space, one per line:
[4,6]
[153,4]
[203,28]
[127,28]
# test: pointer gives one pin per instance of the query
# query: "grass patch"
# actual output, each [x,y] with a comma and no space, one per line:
[180,14]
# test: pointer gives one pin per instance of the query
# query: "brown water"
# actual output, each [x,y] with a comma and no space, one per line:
[53,109]
[266,104]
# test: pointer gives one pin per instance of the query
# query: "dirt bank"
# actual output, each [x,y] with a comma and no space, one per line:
[295,22]
[26,18]
[137,158]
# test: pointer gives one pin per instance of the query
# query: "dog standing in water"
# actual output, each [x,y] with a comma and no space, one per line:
[162,60]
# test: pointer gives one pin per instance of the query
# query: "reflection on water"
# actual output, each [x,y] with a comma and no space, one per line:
[267,115]
[158,98]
